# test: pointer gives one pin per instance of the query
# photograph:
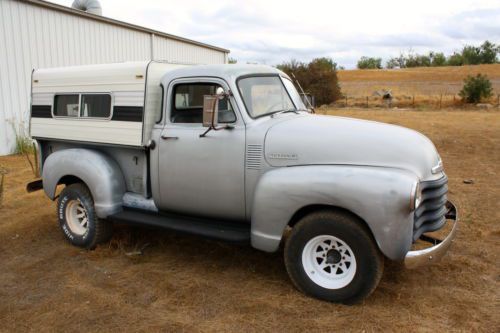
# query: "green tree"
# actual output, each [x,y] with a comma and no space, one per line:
[489,52]
[437,59]
[417,60]
[471,55]
[455,59]
[369,63]
[396,62]
[476,88]
[319,78]
[232,61]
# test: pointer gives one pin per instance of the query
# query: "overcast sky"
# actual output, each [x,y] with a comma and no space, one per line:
[271,31]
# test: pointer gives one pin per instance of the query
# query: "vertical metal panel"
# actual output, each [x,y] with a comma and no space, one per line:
[177,51]
[37,37]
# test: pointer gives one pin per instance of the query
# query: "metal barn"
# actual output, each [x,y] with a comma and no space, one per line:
[40,34]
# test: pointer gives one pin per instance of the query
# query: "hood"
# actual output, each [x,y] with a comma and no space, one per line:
[314,139]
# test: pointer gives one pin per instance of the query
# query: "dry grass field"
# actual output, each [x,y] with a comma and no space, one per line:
[185,283]
[425,84]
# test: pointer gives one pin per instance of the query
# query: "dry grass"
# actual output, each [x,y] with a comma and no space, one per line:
[184,283]
[425,85]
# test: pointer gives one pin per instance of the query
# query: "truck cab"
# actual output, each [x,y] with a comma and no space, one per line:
[231,152]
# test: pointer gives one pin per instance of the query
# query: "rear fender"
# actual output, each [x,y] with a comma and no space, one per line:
[98,171]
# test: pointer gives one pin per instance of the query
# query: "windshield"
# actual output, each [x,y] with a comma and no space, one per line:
[297,100]
[264,95]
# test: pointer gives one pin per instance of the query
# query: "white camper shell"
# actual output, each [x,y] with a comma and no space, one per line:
[72,103]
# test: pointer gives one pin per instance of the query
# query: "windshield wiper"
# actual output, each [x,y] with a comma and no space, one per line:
[284,111]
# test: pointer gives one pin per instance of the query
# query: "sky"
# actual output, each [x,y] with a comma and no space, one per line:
[274,31]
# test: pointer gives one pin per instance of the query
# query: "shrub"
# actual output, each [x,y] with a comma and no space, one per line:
[369,63]
[23,145]
[476,88]
[318,78]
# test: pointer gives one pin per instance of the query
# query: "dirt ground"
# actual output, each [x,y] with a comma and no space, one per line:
[186,283]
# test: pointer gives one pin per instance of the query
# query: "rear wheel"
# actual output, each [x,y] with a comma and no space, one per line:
[332,256]
[78,220]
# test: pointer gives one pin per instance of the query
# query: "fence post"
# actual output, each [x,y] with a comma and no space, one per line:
[413,101]
[345,100]
[440,101]
[367,101]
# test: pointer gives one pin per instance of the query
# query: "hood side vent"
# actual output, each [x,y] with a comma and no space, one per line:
[254,157]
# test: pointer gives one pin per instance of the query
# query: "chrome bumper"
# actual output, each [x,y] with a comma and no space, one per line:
[434,253]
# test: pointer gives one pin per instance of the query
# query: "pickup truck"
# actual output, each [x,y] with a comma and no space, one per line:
[231,152]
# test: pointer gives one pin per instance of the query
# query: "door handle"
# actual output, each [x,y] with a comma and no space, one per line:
[166,137]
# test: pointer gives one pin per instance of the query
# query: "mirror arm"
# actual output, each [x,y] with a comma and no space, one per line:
[228,127]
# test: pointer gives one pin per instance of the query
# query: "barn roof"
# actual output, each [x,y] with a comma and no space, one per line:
[108,20]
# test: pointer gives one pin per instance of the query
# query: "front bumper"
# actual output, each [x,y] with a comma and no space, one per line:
[434,253]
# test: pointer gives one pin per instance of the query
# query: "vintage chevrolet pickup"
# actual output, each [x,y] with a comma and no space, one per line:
[232,153]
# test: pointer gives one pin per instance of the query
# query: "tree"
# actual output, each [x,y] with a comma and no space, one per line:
[476,88]
[471,55]
[369,63]
[319,78]
[417,60]
[489,52]
[232,61]
[437,59]
[396,62]
[455,59]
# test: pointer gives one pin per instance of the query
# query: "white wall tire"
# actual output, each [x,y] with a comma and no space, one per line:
[78,220]
[331,255]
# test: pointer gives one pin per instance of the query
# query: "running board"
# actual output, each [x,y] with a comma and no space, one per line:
[226,231]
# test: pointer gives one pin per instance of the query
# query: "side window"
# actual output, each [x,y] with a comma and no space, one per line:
[188,104]
[66,105]
[96,106]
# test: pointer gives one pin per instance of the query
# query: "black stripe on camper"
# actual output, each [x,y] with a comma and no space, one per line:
[41,111]
[127,113]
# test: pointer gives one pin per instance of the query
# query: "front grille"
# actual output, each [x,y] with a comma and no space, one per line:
[430,215]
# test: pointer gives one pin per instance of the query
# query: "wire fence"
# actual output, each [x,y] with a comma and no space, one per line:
[438,101]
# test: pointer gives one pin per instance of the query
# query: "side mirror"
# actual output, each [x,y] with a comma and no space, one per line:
[210,110]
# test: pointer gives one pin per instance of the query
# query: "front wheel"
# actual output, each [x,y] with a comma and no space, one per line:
[332,256]
[78,219]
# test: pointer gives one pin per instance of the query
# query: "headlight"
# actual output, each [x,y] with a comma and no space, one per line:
[416,196]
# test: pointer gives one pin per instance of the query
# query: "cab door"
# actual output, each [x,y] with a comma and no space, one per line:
[201,176]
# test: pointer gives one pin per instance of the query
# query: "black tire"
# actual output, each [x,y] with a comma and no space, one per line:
[368,261]
[95,231]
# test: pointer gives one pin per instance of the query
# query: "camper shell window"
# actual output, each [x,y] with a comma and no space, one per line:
[91,105]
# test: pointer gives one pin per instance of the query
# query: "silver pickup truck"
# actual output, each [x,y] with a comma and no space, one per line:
[231,152]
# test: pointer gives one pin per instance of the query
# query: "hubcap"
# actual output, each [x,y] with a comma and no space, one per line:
[76,217]
[329,262]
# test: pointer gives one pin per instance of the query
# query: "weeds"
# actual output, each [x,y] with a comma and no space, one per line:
[25,146]
[3,172]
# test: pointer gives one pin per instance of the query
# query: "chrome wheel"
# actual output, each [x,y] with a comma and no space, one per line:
[329,262]
[76,217]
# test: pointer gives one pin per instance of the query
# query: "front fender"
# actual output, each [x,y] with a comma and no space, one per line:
[379,196]
[99,172]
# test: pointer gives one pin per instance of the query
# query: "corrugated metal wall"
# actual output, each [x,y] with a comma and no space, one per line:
[36,37]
